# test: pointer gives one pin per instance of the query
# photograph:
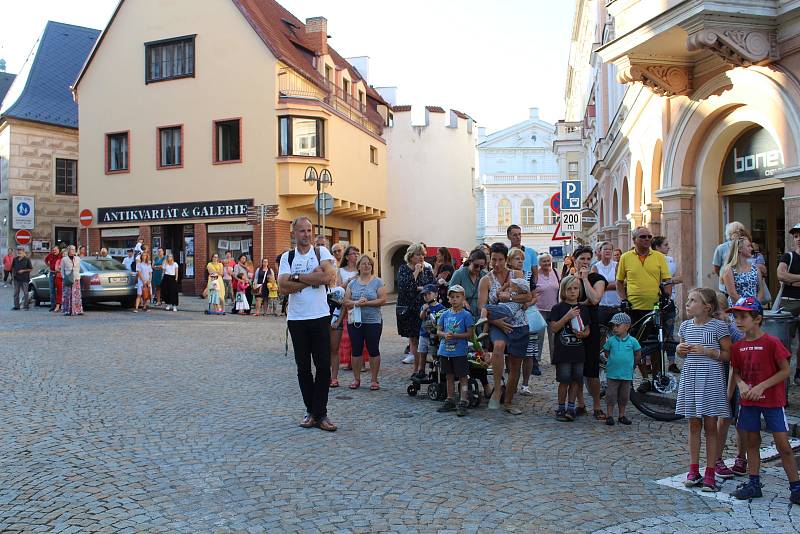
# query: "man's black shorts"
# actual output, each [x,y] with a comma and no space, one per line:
[454,365]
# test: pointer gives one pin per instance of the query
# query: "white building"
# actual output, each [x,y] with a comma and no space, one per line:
[518,175]
[430,190]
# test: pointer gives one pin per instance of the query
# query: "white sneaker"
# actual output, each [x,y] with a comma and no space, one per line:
[409,359]
[526,391]
[174,308]
[168,307]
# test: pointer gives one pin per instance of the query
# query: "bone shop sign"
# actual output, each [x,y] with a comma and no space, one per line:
[179,211]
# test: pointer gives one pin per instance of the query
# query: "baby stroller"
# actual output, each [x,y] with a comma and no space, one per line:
[437,381]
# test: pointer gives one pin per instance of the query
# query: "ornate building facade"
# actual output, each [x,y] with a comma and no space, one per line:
[689,117]
[518,175]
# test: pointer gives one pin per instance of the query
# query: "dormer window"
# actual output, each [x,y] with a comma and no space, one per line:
[346,86]
[169,59]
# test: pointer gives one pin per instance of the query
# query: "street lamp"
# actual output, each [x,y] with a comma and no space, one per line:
[322,179]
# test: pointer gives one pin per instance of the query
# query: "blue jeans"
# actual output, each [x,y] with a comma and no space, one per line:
[52,279]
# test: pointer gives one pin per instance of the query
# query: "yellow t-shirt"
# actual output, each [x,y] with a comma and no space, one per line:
[642,276]
[273,290]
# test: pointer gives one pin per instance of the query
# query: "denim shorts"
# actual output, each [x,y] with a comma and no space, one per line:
[750,419]
[516,341]
[569,372]
[424,344]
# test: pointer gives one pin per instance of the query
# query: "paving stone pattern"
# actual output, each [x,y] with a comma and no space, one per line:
[180,422]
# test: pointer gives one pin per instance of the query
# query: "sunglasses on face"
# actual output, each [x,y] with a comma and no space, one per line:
[645,237]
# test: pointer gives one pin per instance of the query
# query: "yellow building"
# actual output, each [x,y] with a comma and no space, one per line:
[220,106]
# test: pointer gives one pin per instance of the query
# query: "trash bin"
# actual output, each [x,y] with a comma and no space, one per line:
[779,324]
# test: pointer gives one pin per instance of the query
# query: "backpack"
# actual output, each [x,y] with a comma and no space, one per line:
[331,304]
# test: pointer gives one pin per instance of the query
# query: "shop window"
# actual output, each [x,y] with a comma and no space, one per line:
[67,235]
[227,141]
[170,147]
[117,152]
[169,59]
[66,176]
[301,136]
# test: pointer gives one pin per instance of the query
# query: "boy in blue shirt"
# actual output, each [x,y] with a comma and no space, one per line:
[427,313]
[622,350]
[454,329]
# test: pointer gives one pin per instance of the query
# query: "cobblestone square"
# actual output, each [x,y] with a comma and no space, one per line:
[180,422]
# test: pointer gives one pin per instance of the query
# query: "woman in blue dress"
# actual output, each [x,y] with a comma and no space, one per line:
[158,275]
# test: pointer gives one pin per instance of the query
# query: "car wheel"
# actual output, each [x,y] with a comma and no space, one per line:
[33,296]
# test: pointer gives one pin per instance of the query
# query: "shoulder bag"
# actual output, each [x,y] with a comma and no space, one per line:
[777,304]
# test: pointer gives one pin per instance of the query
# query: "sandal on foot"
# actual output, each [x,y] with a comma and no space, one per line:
[334,383]
[355,385]
[374,386]
[600,415]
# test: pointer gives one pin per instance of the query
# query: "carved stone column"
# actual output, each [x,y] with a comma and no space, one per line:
[624,235]
[791,201]
[679,227]
[653,216]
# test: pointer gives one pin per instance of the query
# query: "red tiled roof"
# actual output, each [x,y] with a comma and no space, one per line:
[460,115]
[287,39]
[434,109]
[401,108]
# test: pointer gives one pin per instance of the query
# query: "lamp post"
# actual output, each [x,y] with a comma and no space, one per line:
[322,178]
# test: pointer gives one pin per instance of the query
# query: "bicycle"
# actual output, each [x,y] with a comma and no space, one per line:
[658,400]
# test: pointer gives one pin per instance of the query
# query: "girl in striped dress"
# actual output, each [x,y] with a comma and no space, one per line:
[702,397]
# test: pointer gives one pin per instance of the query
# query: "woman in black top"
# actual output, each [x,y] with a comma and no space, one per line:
[411,278]
[789,276]
[593,285]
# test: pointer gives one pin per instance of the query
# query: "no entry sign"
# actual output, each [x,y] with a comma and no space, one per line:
[86,218]
[23,237]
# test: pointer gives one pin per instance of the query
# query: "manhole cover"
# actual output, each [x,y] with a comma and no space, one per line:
[344,397]
[404,415]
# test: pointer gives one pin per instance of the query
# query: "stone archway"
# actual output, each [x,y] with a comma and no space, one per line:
[694,152]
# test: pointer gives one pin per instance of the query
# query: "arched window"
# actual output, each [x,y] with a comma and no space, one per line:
[549,216]
[526,212]
[504,212]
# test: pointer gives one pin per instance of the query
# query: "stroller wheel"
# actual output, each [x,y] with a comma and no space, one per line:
[433,391]
[412,390]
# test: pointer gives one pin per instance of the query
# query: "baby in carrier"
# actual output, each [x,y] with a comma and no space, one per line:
[502,310]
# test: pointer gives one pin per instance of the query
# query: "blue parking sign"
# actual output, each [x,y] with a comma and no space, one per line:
[570,195]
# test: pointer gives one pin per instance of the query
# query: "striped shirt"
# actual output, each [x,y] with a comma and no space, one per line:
[702,387]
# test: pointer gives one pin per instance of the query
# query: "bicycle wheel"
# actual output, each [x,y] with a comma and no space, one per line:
[660,405]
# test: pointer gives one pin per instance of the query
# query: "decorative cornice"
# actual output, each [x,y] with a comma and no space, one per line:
[740,47]
[684,191]
[663,80]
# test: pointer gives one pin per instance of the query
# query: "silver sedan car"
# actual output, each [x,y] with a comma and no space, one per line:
[102,280]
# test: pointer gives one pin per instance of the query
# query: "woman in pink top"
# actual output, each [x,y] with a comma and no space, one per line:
[7,259]
[546,293]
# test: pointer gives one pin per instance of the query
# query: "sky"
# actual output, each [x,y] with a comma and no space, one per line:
[490,59]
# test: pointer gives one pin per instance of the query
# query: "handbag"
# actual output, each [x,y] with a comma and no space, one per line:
[354,317]
[776,305]
[536,322]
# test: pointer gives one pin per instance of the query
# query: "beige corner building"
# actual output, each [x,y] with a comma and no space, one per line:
[431,184]
[686,116]
[193,112]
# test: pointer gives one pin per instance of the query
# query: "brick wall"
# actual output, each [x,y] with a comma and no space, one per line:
[277,238]
[146,235]
[94,240]
[200,257]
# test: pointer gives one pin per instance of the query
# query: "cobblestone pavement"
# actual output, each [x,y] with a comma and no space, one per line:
[180,422]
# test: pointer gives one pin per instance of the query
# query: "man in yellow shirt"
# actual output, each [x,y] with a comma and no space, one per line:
[639,276]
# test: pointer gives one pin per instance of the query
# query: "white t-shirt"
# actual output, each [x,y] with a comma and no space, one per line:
[311,302]
[128,261]
[171,270]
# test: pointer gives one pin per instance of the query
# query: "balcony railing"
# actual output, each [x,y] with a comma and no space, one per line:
[345,104]
[526,229]
[519,179]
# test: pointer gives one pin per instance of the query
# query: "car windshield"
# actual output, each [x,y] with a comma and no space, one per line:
[98,265]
